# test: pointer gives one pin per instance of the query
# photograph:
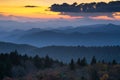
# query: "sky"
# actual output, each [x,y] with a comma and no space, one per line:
[43,2]
[15,10]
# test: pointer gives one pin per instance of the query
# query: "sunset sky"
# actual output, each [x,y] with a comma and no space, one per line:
[15,10]
[43,2]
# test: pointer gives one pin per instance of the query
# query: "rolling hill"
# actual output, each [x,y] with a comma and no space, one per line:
[91,35]
[65,53]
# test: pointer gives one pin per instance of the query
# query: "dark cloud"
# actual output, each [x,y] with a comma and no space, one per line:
[30,6]
[113,6]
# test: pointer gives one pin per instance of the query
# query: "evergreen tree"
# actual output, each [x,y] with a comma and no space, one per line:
[15,58]
[78,62]
[37,61]
[5,66]
[25,57]
[93,61]
[72,65]
[83,62]
[103,62]
[48,62]
[114,62]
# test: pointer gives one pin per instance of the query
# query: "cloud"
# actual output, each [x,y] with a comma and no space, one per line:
[96,16]
[102,18]
[68,17]
[30,6]
[11,22]
[113,6]
[87,14]
[20,18]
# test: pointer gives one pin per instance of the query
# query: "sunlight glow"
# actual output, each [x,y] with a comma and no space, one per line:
[37,12]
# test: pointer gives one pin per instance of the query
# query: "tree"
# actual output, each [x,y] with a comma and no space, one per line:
[78,62]
[72,65]
[114,62]
[15,58]
[83,62]
[48,61]
[93,61]
[37,61]
[103,62]
[25,57]
[5,66]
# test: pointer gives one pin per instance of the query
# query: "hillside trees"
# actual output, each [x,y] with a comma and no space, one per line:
[15,65]
[72,65]
[93,61]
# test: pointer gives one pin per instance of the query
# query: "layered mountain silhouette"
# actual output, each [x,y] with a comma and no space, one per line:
[91,35]
[64,53]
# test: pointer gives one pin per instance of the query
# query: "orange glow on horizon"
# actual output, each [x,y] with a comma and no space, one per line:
[15,8]
[102,18]
[37,12]
[43,12]
[116,15]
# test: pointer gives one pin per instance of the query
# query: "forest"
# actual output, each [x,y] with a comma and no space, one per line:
[14,66]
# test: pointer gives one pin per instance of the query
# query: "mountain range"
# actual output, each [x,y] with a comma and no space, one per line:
[91,35]
[64,53]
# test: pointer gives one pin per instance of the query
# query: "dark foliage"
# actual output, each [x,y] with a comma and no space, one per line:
[72,64]
[83,62]
[15,65]
[93,60]
[94,75]
[48,61]
[78,62]
[38,61]
[114,62]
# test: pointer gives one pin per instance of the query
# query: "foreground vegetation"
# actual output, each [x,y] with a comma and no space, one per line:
[14,66]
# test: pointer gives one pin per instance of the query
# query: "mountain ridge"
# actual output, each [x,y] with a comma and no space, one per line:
[64,53]
[95,35]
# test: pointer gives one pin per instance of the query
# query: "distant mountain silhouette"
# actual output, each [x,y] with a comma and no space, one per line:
[65,53]
[110,28]
[22,48]
[91,35]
